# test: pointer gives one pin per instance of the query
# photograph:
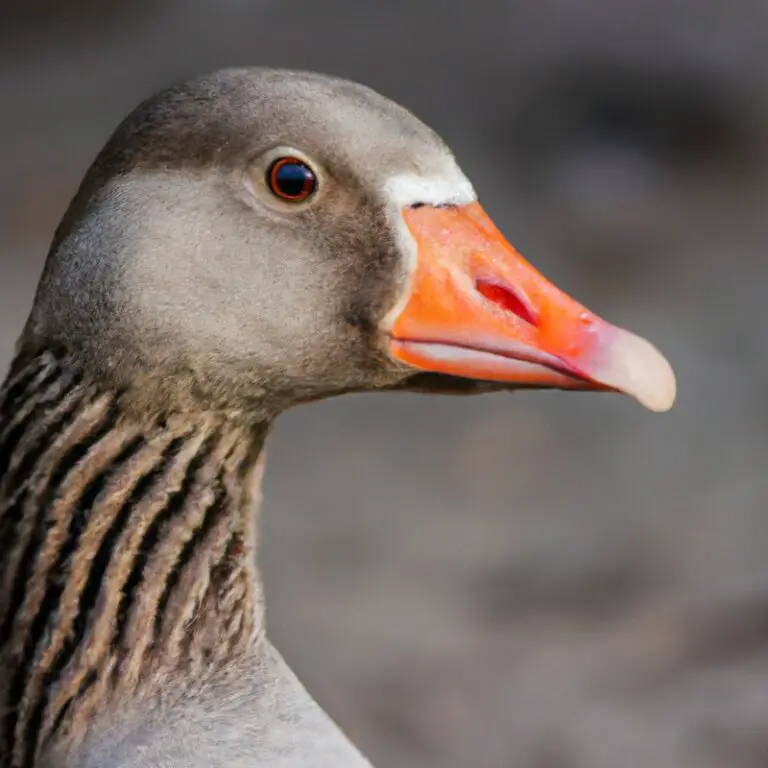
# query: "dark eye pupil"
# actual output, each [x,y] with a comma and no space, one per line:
[292,180]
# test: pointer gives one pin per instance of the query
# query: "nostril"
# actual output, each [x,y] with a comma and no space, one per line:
[506,299]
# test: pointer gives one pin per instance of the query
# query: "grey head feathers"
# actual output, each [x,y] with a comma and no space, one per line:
[174,276]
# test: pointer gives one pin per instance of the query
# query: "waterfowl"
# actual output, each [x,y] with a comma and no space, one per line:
[245,242]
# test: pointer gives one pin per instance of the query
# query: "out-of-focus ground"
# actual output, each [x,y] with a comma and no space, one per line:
[536,580]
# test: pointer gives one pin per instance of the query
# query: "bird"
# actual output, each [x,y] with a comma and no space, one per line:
[246,241]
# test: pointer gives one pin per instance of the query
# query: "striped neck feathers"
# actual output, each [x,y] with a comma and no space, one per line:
[126,552]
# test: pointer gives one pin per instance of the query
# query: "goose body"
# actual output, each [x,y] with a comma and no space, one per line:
[245,242]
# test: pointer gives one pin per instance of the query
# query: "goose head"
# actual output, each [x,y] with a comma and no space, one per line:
[257,238]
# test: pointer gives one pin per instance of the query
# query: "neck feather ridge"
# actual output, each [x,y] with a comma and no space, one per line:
[127,551]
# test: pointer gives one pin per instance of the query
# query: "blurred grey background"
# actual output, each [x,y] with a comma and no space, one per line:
[529,580]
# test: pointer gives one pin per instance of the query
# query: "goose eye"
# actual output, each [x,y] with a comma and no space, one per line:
[291,179]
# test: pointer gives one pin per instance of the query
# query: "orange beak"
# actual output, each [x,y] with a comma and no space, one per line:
[478,310]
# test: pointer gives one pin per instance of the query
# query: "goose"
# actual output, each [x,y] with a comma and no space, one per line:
[245,242]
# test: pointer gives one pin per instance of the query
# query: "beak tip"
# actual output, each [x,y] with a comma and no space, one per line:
[657,388]
[636,368]
[663,396]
